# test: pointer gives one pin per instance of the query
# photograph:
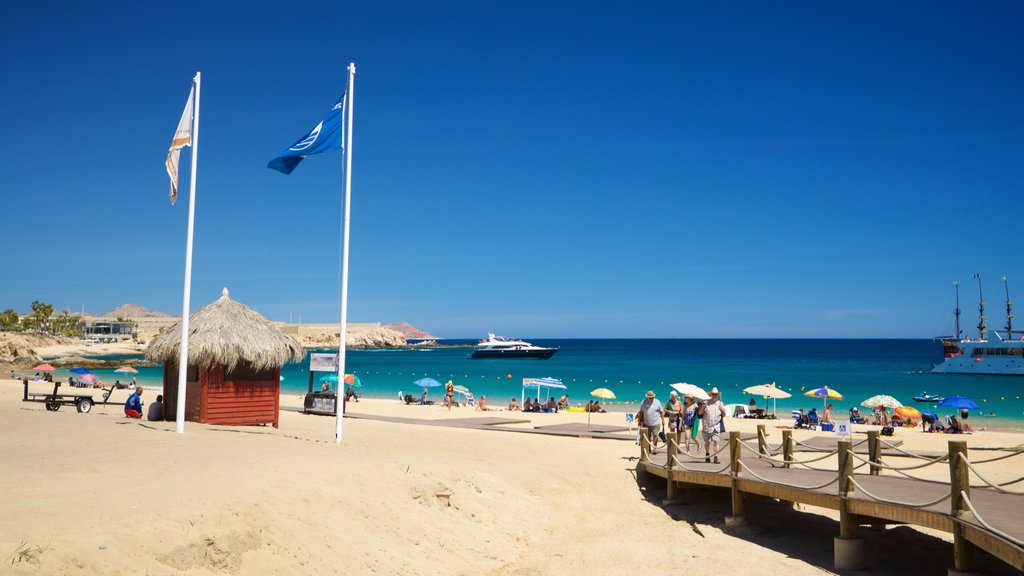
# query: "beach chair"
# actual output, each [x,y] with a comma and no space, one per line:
[629,420]
[812,421]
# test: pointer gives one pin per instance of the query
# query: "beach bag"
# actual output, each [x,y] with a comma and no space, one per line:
[661,436]
[721,425]
[887,431]
[693,432]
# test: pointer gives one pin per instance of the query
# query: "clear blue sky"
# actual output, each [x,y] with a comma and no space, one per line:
[540,169]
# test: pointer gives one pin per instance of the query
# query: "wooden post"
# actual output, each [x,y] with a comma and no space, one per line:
[670,463]
[960,481]
[848,550]
[787,447]
[762,441]
[645,445]
[874,451]
[734,469]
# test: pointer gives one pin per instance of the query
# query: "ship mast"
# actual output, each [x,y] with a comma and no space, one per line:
[1009,310]
[981,308]
[956,311]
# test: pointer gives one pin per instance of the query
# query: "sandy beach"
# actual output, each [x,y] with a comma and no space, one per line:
[99,494]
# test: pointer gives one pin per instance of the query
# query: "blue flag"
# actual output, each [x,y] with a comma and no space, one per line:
[327,136]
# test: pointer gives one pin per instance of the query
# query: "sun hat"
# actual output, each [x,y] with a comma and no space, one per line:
[714,390]
[650,393]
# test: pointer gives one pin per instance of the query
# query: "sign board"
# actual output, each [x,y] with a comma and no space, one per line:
[843,429]
[323,362]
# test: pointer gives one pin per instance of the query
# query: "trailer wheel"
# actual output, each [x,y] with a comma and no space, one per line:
[84,405]
[52,405]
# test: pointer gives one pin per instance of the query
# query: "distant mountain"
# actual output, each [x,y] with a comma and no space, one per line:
[410,331]
[134,311]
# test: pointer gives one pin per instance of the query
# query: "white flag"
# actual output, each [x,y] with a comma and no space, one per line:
[182,138]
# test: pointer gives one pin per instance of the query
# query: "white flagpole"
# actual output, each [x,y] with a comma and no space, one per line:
[350,96]
[183,357]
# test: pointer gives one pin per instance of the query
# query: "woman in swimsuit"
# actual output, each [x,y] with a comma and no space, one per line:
[449,394]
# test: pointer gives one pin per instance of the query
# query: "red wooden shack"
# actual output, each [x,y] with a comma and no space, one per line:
[234,365]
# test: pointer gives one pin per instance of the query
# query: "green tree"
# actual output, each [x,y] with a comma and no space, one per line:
[41,313]
[68,325]
[9,320]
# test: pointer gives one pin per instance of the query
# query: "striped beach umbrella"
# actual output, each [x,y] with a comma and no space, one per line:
[825,393]
[882,400]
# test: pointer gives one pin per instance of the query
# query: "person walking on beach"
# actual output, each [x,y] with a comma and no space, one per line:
[689,417]
[133,406]
[711,414]
[449,394]
[674,412]
[651,413]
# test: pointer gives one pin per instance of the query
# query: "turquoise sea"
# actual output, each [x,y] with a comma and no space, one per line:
[856,368]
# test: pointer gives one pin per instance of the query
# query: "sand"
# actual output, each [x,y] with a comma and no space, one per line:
[100,494]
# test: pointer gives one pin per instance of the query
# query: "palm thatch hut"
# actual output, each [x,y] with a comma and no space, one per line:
[234,365]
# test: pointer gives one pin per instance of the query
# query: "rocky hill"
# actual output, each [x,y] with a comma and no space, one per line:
[19,349]
[410,331]
[134,311]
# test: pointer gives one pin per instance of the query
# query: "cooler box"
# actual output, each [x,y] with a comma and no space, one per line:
[827,427]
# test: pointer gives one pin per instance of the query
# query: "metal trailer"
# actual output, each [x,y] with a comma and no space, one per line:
[83,403]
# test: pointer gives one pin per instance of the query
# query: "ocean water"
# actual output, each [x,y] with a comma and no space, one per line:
[857,369]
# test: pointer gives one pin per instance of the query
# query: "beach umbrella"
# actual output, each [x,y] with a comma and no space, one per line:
[825,393]
[958,402]
[44,368]
[353,380]
[909,412]
[602,393]
[690,390]
[81,371]
[126,370]
[539,383]
[884,400]
[768,391]
[427,383]
[88,378]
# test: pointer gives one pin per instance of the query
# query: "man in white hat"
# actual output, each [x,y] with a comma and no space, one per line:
[711,414]
[651,413]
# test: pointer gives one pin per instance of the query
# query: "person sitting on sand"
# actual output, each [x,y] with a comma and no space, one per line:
[527,406]
[563,402]
[552,405]
[156,409]
[826,416]
[954,426]
[482,404]
[596,407]
[589,407]
[964,414]
[133,406]
[514,406]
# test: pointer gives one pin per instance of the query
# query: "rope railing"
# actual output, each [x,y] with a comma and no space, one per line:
[988,526]
[896,448]
[898,468]
[786,484]
[1017,452]
[814,448]
[995,486]
[858,485]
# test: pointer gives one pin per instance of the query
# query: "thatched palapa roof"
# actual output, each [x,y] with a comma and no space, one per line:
[228,333]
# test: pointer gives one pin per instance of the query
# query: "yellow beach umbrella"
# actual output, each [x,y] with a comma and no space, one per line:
[825,393]
[602,393]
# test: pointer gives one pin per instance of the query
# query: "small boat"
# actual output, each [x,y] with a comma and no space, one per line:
[501,347]
[926,397]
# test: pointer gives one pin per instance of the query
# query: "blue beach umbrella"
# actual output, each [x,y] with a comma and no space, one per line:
[427,383]
[82,371]
[959,403]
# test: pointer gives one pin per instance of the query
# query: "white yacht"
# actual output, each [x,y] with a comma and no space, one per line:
[501,347]
[991,353]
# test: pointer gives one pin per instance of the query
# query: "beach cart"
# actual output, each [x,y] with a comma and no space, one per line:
[83,403]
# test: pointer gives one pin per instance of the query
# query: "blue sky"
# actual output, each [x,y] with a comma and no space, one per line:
[543,169]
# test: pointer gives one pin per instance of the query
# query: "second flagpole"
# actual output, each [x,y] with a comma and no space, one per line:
[350,97]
